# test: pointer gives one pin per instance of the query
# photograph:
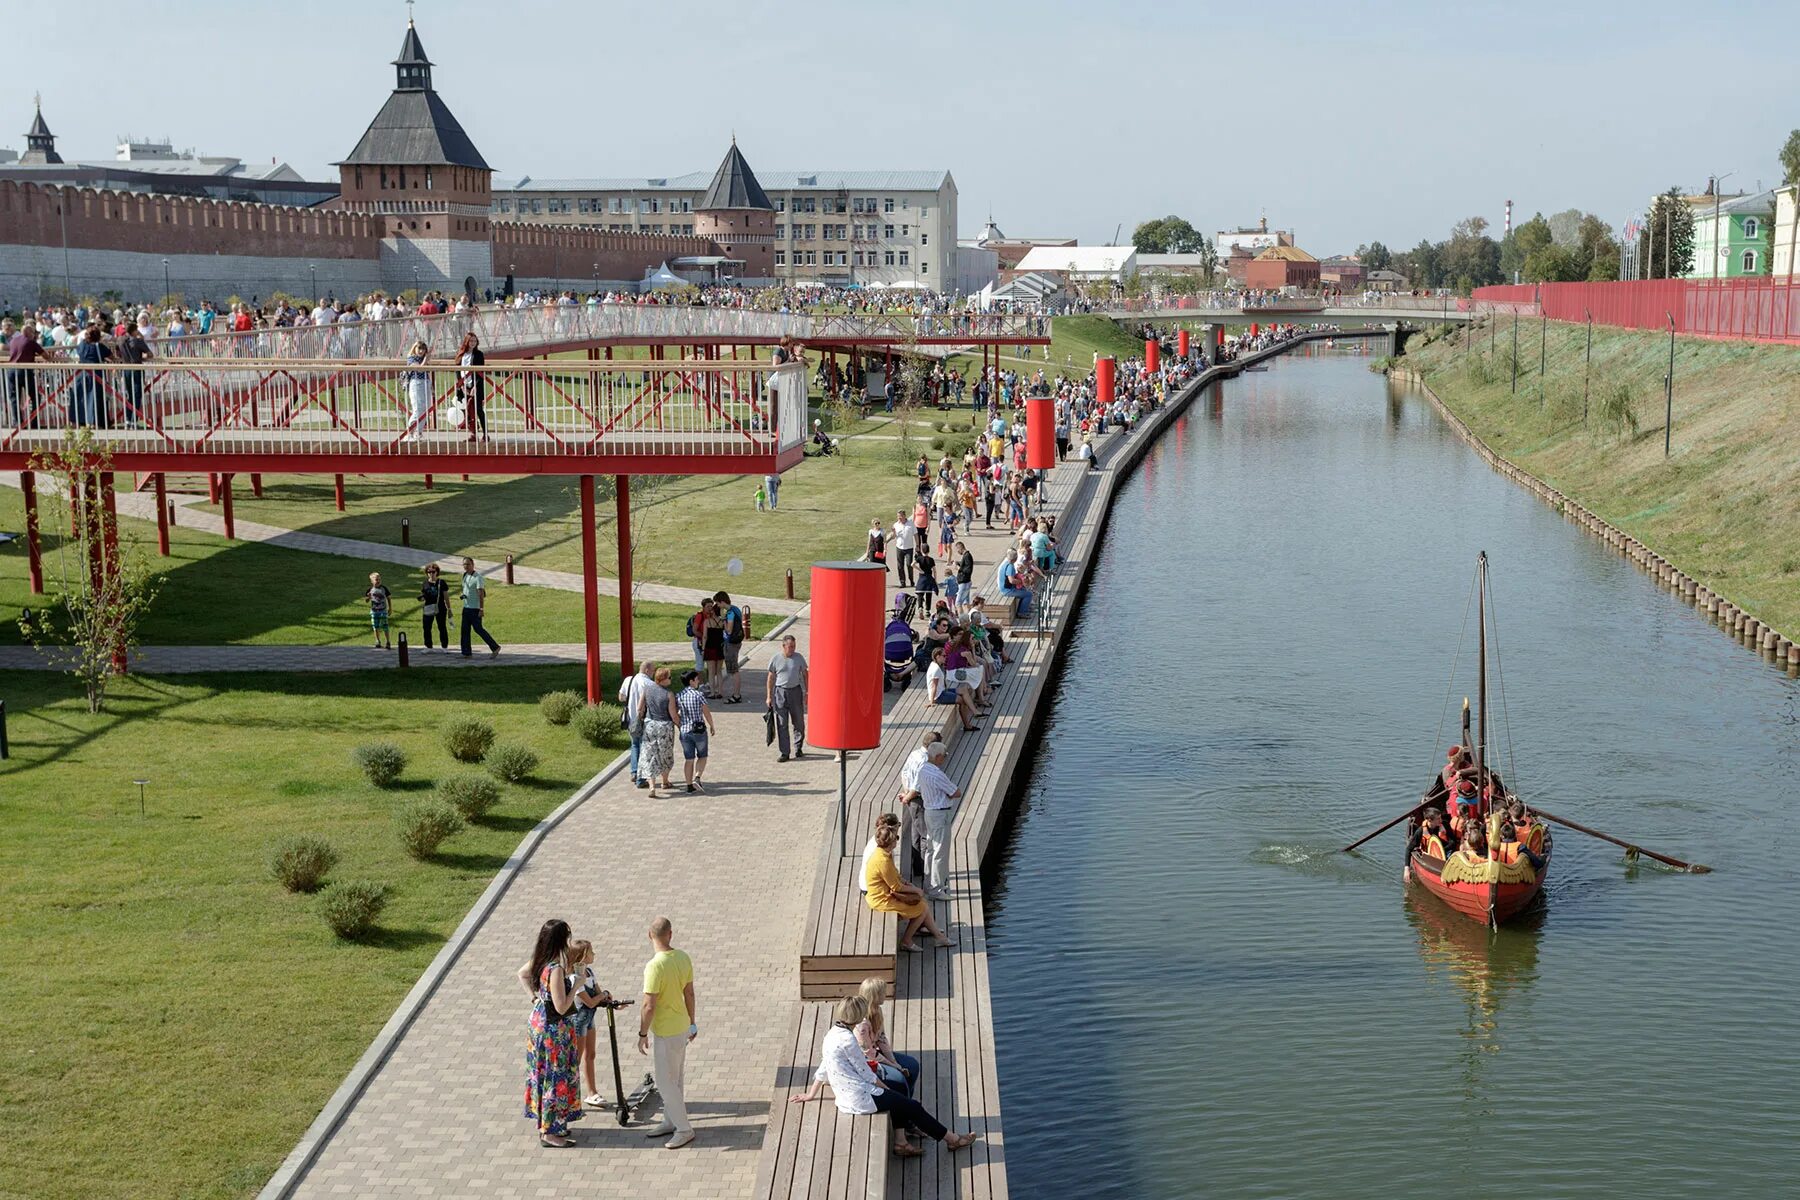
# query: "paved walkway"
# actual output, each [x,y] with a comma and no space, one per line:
[143,505]
[732,868]
[192,660]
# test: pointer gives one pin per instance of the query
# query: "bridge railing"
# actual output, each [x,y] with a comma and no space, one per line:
[500,329]
[377,410]
[904,326]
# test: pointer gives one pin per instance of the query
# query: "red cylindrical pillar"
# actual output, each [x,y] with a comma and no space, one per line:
[212,487]
[225,506]
[1218,337]
[1104,379]
[34,550]
[843,701]
[1040,433]
[1151,353]
[622,493]
[256,484]
[1181,343]
[162,516]
[590,588]
[337,487]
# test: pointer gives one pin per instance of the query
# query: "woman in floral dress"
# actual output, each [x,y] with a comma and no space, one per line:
[551,1060]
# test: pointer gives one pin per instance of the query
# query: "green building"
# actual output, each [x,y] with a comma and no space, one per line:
[1736,240]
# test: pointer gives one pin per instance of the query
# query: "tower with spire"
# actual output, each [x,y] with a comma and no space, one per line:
[416,168]
[735,212]
[40,143]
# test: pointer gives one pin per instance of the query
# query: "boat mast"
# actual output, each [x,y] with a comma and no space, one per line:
[1481,779]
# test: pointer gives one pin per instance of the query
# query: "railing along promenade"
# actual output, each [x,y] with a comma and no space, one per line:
[1754,309]
[1234,305]
[565,416]
[540,328]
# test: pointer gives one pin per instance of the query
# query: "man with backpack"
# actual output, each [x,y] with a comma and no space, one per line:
[736,626]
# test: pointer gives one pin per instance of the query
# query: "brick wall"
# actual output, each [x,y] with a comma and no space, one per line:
[549,252]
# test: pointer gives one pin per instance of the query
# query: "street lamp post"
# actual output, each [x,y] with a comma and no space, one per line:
[1588,370]
[1669,387]
[167,290]
[314,269]
[1718,250]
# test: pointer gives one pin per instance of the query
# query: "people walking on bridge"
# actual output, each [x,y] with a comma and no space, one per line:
[667,1024]
[474,605]
[418,389]
[471,385]
[785,696]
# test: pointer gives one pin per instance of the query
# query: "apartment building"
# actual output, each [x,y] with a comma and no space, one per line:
[875,228]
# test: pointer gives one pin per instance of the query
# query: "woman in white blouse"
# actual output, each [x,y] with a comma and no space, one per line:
[857,1089]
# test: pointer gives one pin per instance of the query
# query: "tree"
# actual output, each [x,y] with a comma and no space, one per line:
[1167,235]
[1209,260]
[1470,259]
[1565,227]
[1598,251]
[106,583]
[1666,245]
[1550,263]
[1375,256]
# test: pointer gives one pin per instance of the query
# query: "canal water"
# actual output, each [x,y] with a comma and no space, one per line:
[1195,995]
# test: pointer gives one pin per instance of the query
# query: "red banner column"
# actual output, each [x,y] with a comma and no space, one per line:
[1105,379]
[1040,433]
[162,516]
[1151,353]
[1181,343]
[34,550]
[622,494]
[590,588]
[843,695]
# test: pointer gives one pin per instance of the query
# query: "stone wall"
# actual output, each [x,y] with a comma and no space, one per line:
[546,254]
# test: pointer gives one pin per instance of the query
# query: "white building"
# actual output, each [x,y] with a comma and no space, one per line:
[876,228]
[1785,232]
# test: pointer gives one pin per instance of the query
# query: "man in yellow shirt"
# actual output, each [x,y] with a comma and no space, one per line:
[665,1027]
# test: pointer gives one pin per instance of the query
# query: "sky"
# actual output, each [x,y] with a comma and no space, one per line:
[1345,122]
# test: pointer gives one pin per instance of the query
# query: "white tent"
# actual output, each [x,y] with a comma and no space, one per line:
[1082,262]
[661,278]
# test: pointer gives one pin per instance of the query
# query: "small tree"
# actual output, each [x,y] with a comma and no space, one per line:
[106,585]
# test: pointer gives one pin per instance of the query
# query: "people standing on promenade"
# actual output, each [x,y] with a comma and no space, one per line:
[736,622]
[551,1095]
[772,482]
[658,716]
[668,1022]
[887,892]
[588,997]
[434,600]
[785,696]
[696,729]
[712,647]
[939,794]
[877,551]
[964,577]
[381,602]
[634,717]
[904,540]
[912,847]
[474,606]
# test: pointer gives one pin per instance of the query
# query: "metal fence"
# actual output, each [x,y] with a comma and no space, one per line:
[1758,309]
[289,408]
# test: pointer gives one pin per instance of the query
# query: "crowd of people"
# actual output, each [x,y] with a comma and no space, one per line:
[1470,815]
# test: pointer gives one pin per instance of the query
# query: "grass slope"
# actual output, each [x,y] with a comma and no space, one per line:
[218,592]
[1725,506]
[171,1020]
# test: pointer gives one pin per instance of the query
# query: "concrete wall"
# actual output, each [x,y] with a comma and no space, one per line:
[36,274]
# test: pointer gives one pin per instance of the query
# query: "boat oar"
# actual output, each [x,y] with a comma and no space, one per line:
[1411,812]
[1695,868]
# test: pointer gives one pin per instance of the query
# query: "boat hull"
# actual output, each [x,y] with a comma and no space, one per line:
[1483,902]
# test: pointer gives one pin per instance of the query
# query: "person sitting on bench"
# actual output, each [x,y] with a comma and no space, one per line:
[944,690]
[1011,585]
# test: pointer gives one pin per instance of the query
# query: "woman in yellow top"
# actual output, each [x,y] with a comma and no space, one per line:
[881,880]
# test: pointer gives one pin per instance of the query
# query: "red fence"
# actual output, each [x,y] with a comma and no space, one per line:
[1760,309]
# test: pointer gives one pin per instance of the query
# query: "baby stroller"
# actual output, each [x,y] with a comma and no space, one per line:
[897,653]
[906,606]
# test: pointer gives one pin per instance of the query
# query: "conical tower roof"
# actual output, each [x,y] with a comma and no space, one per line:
[38,128]
[415,126]
[734,185]
[412,50]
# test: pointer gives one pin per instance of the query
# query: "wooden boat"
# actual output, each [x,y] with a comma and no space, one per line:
[1482,890]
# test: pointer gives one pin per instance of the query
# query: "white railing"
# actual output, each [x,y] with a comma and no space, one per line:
[297,407]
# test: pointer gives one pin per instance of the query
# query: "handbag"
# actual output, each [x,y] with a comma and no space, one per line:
[768,726]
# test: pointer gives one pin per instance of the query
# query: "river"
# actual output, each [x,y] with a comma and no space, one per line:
[1195,995]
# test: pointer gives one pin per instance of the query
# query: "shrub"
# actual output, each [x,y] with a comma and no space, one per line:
[598,723]
[468,739]
[470,793]
[300,863]
[351,908]
[380,762]
[1618,409]
[511,761]
[560,707]
[423,826]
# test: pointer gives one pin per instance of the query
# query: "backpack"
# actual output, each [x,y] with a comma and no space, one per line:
[691,630]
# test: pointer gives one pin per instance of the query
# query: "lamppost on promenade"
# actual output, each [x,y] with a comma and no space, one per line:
[314,268]
[167,290]
[1718,250]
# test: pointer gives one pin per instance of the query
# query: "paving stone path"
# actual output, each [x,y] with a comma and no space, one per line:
[191,660]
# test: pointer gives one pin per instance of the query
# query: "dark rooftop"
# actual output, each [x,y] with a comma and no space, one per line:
[734,185]
[415,127]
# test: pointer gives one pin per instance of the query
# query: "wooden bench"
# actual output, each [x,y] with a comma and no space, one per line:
[813,1150]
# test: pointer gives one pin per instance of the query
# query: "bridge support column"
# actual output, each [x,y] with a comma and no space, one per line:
[590,588]
[225,506]
[212,487]
[337,487]
[34,550]
[428,483]
[162,516]
[256,484]
[622,493]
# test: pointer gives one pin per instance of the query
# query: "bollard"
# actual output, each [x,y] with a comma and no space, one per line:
[790,583]
[405,531]
[171,513]
[400,645]
[1793,656]
[509,575]
[5,746]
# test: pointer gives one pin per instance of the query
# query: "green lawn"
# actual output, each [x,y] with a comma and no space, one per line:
[218,592]
[1073,343]
[692,525]
[1725,507]
[171,1020]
